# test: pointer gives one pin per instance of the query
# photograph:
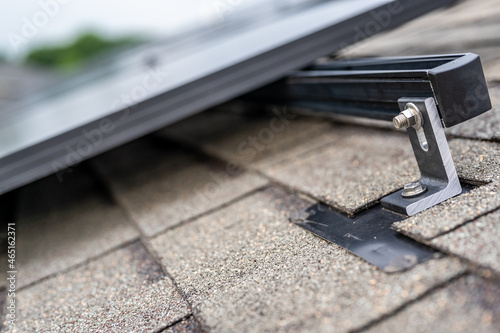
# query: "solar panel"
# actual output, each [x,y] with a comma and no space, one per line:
[158,84]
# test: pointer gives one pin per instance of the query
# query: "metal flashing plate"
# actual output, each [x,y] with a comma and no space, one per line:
[368,235]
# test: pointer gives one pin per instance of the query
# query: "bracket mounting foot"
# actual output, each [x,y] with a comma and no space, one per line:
[437,171]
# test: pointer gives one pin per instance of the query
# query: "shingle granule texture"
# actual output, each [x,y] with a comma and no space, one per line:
[485,126]
[348,167]
[189,325]
[470,304]
[253,141]
[62,224]
[245,268]
[476,241]
[160,187]
[356,169]
[124,291]
[478,162]
[467,26]
[341,165]
[451,213]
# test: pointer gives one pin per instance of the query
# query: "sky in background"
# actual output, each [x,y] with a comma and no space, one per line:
[29,23]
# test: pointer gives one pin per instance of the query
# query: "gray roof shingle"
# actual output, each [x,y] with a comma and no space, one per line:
[125,290]
[63,224]
[469,304]
[159,189]
[246,268]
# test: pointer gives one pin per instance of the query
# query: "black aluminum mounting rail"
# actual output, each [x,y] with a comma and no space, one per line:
[371,88]
[422,94]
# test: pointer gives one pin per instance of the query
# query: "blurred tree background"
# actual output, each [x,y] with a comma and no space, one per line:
[72,56]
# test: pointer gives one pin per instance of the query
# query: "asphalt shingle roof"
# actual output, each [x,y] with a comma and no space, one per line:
[246,268]
[125,290]
[467,304]
[64,224]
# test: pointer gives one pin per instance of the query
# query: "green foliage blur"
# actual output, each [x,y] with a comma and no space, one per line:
[72,56]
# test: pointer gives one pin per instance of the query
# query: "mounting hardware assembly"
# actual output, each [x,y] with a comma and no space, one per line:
[423,94]
[410,116]
[420,94]
[438,177]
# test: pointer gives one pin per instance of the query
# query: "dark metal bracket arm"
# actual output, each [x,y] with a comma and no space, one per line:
[423,94]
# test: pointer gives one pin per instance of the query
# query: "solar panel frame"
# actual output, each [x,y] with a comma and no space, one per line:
[291,45]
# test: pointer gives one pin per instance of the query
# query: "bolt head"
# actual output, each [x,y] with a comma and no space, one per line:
[413,189]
